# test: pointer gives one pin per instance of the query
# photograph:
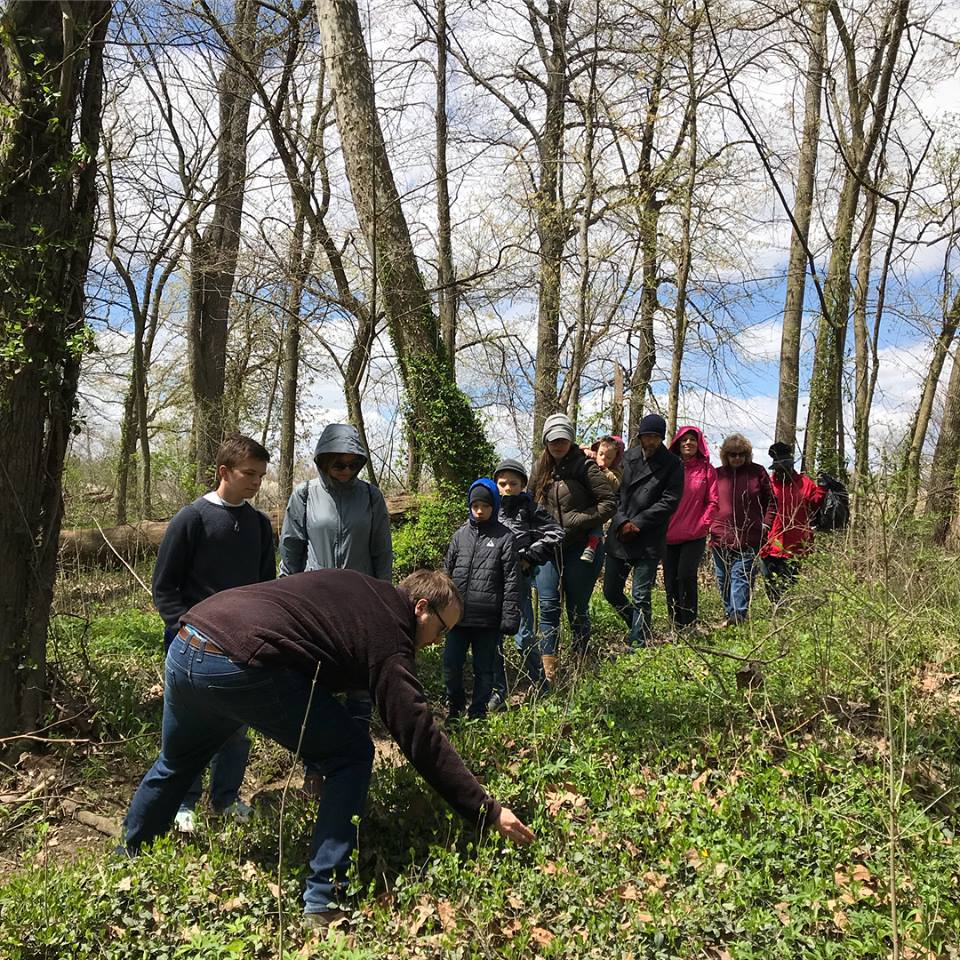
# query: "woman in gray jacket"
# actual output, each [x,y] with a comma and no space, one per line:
[337,521]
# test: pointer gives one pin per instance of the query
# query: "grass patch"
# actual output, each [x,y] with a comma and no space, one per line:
[681,810]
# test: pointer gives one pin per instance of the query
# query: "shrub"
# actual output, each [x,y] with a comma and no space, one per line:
[423,542]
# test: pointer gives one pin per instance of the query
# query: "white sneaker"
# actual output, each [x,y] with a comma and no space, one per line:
[238,811]
[185,821]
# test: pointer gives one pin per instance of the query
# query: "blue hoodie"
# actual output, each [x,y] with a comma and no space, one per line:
[494,492]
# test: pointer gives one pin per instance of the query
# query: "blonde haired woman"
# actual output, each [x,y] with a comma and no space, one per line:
[745,513]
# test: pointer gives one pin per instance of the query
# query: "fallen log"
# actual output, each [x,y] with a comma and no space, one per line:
[91,546]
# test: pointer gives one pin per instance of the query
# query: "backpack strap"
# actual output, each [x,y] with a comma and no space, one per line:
[304,494]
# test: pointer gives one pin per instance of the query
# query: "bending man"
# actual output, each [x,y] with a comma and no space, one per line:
[272,656]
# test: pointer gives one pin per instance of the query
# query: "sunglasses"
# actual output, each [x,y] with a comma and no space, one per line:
[352,465]
[737,453]
[446,627]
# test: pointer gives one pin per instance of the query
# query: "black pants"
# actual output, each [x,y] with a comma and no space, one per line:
[779,574]
[680,564]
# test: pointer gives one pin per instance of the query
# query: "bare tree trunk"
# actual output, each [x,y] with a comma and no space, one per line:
[451,434]
[214,253]
[787,400]
[290,350]
[685,254]
[616,408]
[861,343]
[921,421]
[551,218]
[447,297]
[51,73]
[570,395]
[649,302]
[649,207]
[943,490]
[128,441]
[824,440]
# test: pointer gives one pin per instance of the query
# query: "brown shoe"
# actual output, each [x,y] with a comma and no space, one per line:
[550,667]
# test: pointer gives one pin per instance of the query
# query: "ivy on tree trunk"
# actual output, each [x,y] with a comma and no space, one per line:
[51,80]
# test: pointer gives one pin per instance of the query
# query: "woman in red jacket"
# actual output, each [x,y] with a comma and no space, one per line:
[791,535]
[689,526]
[745,511]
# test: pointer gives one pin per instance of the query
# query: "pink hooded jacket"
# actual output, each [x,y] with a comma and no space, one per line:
[699,503]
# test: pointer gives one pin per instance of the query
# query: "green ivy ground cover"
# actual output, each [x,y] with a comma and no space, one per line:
[680,810]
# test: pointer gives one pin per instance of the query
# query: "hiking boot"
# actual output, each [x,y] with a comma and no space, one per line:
[185,821]
[496,703]
[323,920]
[238,812]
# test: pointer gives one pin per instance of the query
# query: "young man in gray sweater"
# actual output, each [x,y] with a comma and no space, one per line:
[217,542]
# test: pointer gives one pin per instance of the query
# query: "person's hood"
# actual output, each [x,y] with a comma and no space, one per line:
[702,449]
[495,493]
[621,448]
[339,438]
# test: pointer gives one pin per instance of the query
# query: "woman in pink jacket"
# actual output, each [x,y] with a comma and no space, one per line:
[689,526]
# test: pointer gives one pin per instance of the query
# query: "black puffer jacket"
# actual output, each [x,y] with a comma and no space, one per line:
[578,496]
[536,533]
[650,492]
[482,560]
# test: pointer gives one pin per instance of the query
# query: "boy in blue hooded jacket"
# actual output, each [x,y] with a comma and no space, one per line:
[482,561]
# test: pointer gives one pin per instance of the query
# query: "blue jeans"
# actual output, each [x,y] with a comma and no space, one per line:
[638,613]
[360,707]
[735,570]
[577,578]
[227,767]
[483,641]
[207,698]
[525,640]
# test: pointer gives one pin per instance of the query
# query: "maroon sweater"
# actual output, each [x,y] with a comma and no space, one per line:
[746,506]
[361,632]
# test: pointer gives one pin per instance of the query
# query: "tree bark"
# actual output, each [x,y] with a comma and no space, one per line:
[943,490]
[551,219]
[452,438]
[861,344]
[51,78]
[921,421]
[824,440]
[787,400]
[447,296]
[685,254]
[214,254]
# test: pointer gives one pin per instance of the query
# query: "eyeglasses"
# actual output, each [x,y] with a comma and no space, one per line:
[446,626]
[352,465]
[737,453]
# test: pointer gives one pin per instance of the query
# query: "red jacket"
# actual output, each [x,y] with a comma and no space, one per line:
[746,505]
[797,499]
[698,505]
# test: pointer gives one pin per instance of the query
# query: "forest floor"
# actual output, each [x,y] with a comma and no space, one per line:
[783,789]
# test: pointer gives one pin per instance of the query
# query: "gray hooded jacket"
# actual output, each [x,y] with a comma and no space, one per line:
[337,525]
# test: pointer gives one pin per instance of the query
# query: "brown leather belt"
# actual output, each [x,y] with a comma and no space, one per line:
[199,641]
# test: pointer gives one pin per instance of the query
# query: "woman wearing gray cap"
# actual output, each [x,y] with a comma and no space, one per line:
[580,498]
